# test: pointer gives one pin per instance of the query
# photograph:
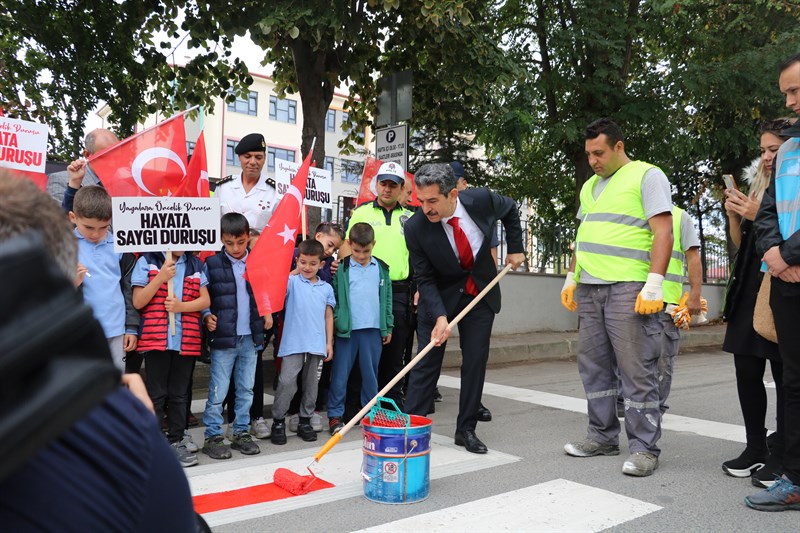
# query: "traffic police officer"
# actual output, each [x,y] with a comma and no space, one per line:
[251,193]
[387,218]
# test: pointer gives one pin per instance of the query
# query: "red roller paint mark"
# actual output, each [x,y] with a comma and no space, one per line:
[268,492]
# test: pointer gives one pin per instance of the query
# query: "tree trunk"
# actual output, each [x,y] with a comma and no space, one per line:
[316,94]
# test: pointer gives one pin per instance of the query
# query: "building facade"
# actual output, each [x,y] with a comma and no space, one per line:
[280,120]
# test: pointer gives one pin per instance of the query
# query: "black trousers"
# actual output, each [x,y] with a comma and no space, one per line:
[168,375]
[392,354]
[785,304]
[475,331]
[753,398]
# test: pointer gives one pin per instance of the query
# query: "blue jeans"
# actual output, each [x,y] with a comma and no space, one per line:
[242,361]
[364,344]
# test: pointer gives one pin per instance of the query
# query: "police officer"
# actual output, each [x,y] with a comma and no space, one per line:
[251,193]
[387,217]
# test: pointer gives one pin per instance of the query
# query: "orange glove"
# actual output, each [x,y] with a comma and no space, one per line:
[568,293]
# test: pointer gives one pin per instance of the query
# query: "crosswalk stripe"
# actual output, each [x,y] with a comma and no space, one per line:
[341,467]
[550,506]
[704,428]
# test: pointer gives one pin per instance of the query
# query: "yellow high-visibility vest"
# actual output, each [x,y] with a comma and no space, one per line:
[614,238]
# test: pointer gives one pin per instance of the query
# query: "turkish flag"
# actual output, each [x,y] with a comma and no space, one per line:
[39,178]
[149,163]
[367,192]
[270,261]
[195,183]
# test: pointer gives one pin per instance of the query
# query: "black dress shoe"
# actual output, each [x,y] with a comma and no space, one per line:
[484,415]
[470,441]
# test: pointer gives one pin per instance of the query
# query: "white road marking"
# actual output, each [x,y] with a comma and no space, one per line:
[550,506]
[341,467]
[704,428]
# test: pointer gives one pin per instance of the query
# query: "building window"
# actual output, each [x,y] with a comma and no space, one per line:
[329,164]
[231,159]
[345,126]
[277,153]
[248,105]
[190,148]
[282,110]
[351,171]
[330,120]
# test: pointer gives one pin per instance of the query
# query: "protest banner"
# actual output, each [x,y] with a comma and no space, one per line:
[318,187]
[150,224]
[23,145]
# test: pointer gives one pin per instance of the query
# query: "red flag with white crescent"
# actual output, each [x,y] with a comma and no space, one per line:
[270,261]
[148,163]
[195,183]
[367,191]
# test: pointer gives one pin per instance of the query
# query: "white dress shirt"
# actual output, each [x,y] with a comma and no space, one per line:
[256,205]
[468,226]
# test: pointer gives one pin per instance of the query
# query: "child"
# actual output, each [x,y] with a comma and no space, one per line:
[362,319]
[168,358]
[236,335]
[307,340]
[104,276]
[331,236]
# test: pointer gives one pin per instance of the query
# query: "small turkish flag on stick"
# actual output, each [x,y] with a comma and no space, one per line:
[270,260]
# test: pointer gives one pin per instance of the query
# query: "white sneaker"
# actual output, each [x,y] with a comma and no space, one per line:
[189,443]
[259,428]
[316,422]
[294,421]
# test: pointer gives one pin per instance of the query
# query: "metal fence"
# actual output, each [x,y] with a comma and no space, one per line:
[552,255]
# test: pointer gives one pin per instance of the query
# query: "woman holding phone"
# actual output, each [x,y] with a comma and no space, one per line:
[750,350]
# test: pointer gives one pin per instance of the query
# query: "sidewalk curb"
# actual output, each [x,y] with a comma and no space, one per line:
[521,348]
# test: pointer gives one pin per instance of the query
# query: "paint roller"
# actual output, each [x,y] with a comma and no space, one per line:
[298,484]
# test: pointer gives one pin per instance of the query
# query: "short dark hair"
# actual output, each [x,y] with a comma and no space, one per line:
[234,224]
[788,62]
[311,247]
[92,201]
[604,126]
[362,234]
[330,228]
[440,174]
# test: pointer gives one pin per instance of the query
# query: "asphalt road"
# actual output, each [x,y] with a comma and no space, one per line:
[526,482]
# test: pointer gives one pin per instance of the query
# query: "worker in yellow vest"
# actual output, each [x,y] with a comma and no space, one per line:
[616,281]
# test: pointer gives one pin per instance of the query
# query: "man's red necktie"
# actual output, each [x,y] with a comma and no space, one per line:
[464,254]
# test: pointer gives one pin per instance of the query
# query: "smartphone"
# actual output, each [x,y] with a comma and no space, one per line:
[730,183]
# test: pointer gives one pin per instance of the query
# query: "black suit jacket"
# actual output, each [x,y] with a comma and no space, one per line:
[437,270]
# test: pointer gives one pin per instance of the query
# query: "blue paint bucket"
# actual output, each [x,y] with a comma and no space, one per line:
[397,461]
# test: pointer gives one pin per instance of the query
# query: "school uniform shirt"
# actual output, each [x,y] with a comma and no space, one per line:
[242,297]
[304,320]
[101,289]
[141,276]
[364,299]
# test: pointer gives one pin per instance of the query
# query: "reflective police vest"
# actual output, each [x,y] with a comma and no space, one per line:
[390,240]
[673,280]
[614,238]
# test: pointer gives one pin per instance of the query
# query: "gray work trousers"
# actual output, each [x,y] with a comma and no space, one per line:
[670,341]
[611,337]
[291,365]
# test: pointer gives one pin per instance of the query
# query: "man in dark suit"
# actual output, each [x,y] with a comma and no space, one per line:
[449,243]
